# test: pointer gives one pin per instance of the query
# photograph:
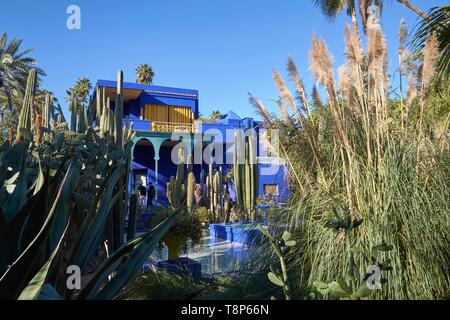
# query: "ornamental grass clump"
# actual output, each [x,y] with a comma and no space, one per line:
[381,157]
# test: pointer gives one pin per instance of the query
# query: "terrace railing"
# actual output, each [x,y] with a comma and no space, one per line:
[159,126]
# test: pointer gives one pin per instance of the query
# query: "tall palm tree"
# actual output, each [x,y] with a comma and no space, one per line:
[15,65]
[333,8]
[80,91]
[144,74]
[216,114]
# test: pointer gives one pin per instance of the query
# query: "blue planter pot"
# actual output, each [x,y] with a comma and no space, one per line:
[183,266]
[234,232]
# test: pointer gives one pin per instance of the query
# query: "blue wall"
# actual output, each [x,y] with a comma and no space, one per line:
[222,129]
[151,94]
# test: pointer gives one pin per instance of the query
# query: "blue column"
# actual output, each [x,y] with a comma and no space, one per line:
[156,142]
[131,179]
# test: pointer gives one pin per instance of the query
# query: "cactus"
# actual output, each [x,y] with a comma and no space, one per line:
[24,125]
[237,172]
[180,192]
[190,165]
[47,115]
[82,119]
[38,134]
[226,204]
[190,191]
[110,118]
[216,191]
[245,174]
[118,112]
[119,208]
[73,112]
[90,112]
[98,106]
[104,118]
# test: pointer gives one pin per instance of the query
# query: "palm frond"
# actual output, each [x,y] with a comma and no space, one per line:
[439,24]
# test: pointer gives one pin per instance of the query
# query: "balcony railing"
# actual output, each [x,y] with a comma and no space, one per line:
[159,126]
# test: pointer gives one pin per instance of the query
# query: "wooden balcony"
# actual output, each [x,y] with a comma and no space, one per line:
[158,126]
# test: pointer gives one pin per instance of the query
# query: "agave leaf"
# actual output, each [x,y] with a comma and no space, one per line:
[28,222]
[18,274]
[58,141]
[63,208]
[82,201]
[25,225]
[116,155]
[10,183]
[139,249]
[95,222]
[33,289]
[39,180]
[15,155]
[115,198]
[18,197]
[4,261]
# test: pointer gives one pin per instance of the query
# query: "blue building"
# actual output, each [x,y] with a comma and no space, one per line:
[164,116]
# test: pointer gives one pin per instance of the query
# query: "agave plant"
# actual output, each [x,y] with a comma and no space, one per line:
[59,205]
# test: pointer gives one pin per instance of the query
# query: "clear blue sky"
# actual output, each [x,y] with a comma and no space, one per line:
[222,48]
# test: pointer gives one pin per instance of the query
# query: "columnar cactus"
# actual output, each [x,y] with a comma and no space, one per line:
[118,112]
[47,111]
[83,121]
[216,191]
[180,192]
[237,168]
[98,106]
[190,191]
[24,125]
[47,116]
[73,111]
[245,169]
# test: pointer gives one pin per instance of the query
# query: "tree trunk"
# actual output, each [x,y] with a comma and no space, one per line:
[414,8]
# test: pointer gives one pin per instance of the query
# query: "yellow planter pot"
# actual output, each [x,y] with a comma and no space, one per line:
[175,243]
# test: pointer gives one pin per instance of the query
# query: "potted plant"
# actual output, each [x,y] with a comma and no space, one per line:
[187,228]
[190,223]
